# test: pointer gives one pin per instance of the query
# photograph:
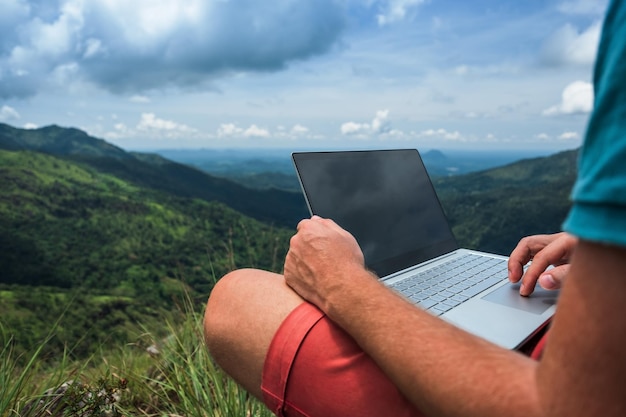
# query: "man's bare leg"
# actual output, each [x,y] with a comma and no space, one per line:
[243,313]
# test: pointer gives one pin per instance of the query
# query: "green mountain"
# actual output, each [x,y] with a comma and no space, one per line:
[491,210]
[123,253]
[273,206]
[57,140]
[68,225]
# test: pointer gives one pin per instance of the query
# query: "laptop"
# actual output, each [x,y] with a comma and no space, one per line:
[386,200]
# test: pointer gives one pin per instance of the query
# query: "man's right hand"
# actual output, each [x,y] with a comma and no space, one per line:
[544,251]
[322,256]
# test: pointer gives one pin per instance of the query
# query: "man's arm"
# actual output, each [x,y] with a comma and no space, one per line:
[447,372]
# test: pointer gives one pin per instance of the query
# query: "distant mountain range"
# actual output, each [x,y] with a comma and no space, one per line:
[272,168]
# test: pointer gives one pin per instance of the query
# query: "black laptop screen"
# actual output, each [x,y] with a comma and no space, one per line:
[384,198]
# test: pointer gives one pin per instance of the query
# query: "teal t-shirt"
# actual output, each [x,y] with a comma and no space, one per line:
[599,195]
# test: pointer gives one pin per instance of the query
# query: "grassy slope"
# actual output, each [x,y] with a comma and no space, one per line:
[128,252]
[180,380]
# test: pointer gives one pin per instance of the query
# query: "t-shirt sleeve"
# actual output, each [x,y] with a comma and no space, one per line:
[599,196]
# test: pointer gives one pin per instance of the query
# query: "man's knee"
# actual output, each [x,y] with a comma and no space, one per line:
[218,316]
[244,311]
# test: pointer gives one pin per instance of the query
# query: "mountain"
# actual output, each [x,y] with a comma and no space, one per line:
[107,254]
[491,210]
[66,225]
[434,156]
[57,140]
[273,206]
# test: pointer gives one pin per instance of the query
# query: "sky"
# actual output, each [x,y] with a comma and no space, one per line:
[434,74]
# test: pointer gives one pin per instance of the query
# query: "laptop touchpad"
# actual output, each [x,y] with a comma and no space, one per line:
[538,302]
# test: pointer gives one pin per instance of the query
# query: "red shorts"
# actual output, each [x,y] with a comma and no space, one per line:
[313,368]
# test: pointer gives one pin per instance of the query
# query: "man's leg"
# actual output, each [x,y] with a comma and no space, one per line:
[313,367]
[245,309]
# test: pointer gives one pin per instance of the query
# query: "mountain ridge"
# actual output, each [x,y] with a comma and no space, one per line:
[57,140]
[156,172]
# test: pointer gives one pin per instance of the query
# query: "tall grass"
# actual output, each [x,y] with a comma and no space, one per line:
[180,380]
[187,382]
[21,375]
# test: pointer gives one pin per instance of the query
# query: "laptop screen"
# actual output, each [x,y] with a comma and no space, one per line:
[384,198]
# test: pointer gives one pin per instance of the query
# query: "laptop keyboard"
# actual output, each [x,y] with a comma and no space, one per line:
[445,286]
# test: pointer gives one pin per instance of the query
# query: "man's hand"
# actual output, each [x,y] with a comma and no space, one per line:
[321,256]
[544,251]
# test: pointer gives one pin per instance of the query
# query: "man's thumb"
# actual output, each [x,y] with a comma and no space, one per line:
[552,279]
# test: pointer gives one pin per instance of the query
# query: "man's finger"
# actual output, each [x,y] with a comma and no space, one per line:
[553,279]
[525,250]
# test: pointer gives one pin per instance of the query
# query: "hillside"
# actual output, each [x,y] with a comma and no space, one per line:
[124,253]
[491,210]
[272,206]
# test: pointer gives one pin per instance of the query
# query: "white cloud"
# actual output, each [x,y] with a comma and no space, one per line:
[583,7]
[228,129]
[299,130]
[120,130]
[139,99]
[143,45]
[150,122]
[93,47]
[120,127]
[542,136]
[396,10]
[569,136]
[8,113]
[568,46]
[255,131]
[577,98]
[30,126]
[461,70]
[232,130]
[379,125]
[350,128]
[443,134]
[489,70]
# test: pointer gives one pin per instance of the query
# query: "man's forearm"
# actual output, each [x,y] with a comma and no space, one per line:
[440,368]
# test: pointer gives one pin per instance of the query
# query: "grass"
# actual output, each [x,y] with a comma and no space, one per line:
[181,380]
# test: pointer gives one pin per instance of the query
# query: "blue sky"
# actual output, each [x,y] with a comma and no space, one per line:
[446,74]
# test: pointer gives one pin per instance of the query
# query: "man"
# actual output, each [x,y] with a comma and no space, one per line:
[328,339]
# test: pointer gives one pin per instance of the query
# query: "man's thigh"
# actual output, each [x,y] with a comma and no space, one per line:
[313,368]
